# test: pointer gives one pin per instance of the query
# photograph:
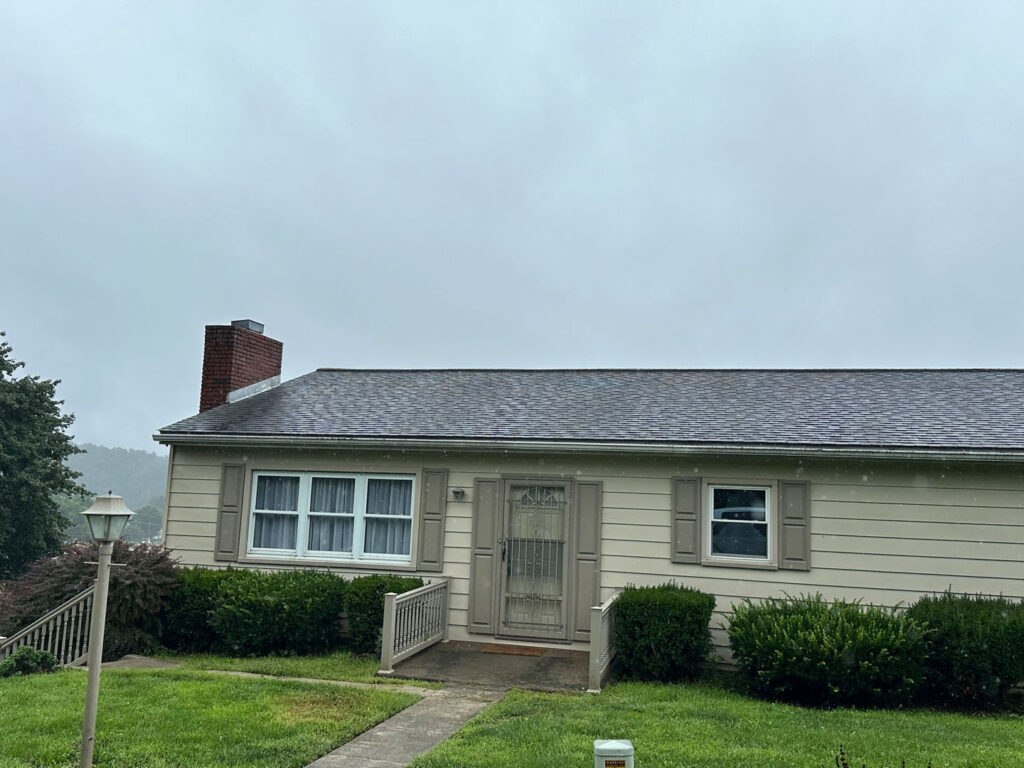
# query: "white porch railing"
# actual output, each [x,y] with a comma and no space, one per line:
[602,647]
[64,631]
[413,620]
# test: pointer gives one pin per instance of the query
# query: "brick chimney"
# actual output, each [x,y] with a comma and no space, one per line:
[236,356]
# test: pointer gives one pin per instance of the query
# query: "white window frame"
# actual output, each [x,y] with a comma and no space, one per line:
[769,521]
[302,551]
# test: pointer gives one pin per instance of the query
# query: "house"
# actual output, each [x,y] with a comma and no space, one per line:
[539,493]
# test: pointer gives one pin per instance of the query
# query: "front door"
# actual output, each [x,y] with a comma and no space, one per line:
[533,586]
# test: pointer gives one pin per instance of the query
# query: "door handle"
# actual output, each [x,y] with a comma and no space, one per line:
[503,542]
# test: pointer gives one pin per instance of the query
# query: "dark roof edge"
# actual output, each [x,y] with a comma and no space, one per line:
[591,447]
[667,370]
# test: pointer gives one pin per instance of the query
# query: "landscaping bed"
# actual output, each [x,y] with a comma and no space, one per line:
[165,718]
[704,726]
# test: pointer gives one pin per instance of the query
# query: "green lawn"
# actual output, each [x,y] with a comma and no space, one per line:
[165,718]
[335,666]
[702,726]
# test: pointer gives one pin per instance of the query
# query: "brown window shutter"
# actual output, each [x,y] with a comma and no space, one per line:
[794,525]
[486,519]
[686,523]
[229,512]
[588,553]
[433,500]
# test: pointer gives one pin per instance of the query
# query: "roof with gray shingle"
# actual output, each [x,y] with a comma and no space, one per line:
[934,409]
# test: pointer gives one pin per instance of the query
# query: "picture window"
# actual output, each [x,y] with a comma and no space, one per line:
[355,517]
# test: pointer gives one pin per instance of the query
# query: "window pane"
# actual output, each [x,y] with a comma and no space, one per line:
[740,504]
[274,531]
[388,537]
[739,538]
[332,494]
[277,493]
[389,497]
[330,534]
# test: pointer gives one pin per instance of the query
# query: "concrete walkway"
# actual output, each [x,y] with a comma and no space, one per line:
[415,730]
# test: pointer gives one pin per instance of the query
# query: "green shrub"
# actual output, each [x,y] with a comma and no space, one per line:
[662,633]
[257,613]
[364,606]
[138,592]
[975,649]
[186,621]
[28,661]
[810,652]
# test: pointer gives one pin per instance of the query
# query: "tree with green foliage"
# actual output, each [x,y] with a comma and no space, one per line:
[34,447]
[71,507]
[145,525]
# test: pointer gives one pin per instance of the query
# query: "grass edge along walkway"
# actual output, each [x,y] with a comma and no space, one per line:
[164,718]
[339,665]
[704,726]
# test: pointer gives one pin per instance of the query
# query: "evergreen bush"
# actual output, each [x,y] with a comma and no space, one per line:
[28,661]
[257,613]
[811,652]
[364,606]
[975,649]
[186,621]
[662,633]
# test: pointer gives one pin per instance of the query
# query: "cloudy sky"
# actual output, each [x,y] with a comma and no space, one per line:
[428,184]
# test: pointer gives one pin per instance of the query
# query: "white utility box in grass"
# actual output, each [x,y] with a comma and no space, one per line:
[613,753]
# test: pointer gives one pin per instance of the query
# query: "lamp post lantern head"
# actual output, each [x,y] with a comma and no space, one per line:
[107,517]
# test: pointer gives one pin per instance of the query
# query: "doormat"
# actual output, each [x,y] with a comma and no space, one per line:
[514,650]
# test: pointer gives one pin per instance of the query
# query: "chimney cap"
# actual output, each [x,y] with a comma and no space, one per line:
[249,325]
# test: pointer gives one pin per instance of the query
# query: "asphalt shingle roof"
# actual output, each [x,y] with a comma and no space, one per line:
[955,409]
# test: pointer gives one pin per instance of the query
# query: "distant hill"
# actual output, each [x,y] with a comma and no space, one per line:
[139,476]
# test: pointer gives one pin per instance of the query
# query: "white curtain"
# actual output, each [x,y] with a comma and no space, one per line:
[274,531]
[333,495]
[277,493]
[390,498]
[330,533]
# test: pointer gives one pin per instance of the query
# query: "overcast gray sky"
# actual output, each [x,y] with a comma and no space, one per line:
[790,184]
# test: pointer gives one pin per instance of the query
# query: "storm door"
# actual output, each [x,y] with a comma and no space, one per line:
[533,565]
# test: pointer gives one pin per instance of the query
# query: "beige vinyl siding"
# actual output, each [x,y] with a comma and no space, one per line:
[881,532]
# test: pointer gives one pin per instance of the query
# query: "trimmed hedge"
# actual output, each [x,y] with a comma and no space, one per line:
[28,661]
[186,622]
[138,593]
[662,633]
[290,611]
[246,612]
[811,652]
[975,649]
[364,606]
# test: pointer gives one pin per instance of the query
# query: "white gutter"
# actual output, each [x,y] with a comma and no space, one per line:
[556,446]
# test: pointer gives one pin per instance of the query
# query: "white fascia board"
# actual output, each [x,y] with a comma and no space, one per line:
[570,447]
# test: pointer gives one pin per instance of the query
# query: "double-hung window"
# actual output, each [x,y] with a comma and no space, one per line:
[740,523]
[364,517]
